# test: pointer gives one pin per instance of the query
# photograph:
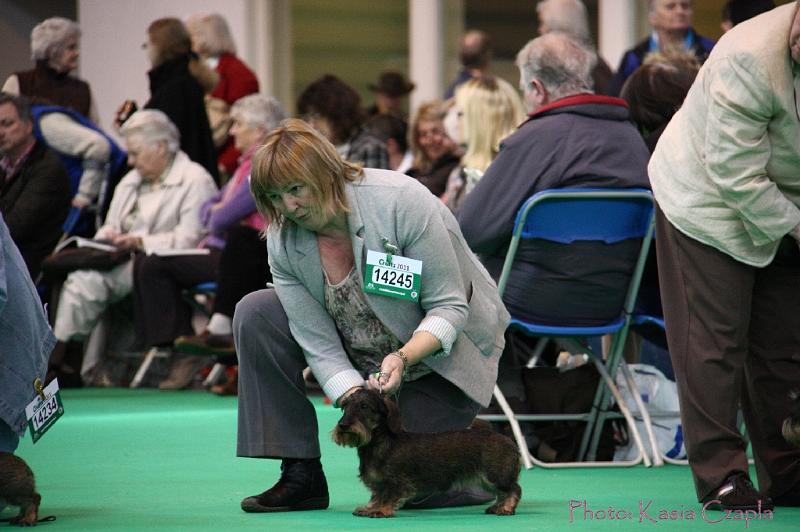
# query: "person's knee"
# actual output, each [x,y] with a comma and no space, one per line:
[148,267]
[83,285]
[256,311]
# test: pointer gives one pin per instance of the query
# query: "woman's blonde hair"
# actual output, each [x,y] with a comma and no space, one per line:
[210,34]
[492,110]
[295,153]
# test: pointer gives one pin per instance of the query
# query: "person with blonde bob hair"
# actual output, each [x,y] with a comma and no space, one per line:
[330,223]
[55,49]
[492,110]
[486,110]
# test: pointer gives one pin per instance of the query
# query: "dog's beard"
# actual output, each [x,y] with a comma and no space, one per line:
[791,430]
[356,436]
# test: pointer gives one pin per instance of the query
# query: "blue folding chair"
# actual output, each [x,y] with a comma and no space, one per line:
[566,216]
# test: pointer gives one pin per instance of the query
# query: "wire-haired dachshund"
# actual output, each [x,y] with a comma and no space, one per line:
[396,465]
[18,488]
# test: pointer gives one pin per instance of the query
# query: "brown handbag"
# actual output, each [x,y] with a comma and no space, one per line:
[60,264]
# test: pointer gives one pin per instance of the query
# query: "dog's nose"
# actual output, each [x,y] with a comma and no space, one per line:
[343,425]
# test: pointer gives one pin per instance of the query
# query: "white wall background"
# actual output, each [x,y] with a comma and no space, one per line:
[112,59]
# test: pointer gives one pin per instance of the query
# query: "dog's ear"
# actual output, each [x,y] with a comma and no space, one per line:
[392,416]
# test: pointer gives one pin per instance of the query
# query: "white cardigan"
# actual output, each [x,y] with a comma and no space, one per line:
[169,219]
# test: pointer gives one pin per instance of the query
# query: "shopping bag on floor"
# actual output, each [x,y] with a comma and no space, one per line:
[660,397]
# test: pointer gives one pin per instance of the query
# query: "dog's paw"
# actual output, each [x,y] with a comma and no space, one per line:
[368,511]
[23,521]
[500,509]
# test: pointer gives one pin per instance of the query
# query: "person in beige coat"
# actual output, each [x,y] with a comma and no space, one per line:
[725,176]
[155,206]
[436,351]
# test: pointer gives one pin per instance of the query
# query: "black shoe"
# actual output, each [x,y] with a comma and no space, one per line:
[302,486]
[737,493]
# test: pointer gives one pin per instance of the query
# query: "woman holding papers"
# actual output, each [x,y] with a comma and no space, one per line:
[154,207]
[237,257]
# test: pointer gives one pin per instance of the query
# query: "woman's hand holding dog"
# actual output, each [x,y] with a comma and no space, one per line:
[390,377]
[395,364]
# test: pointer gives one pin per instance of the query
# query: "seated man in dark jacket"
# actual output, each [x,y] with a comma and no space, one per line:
[572,138]
[34,186]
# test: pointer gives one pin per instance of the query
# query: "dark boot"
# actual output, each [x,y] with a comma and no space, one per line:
[302,486]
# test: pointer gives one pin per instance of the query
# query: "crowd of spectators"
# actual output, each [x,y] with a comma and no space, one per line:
[211,167]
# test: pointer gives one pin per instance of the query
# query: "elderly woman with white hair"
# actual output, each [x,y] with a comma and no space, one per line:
[570,17]
[55,48]
[236,259]
[155,207]
[212,41]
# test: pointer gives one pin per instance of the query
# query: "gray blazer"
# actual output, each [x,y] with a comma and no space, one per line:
[455,286]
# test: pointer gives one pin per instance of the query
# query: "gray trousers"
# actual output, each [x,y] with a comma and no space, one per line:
[276,419]
[734,335]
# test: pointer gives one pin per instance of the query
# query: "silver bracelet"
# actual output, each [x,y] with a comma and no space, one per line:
[404,357]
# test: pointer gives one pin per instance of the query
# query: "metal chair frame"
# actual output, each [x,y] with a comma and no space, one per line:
[582,204]
[202,289]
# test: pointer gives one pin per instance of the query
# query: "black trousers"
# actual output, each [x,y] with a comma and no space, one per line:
[734,336]
[160,312]
[243,268]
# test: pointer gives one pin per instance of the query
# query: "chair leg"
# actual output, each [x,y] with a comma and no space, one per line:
[591,423]
[537,352]
[151,355]
[648,423]
[612,358]
[624,409]
[213,376]
[515,428]
[596,418]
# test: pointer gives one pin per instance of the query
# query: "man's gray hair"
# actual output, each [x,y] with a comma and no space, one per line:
[565,16]
[562,64]
[258,110]
[51,35]
[154,126]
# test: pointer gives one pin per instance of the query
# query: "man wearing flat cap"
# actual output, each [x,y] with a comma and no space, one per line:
[390,91]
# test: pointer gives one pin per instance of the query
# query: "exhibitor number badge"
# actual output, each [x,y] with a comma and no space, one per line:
[44,410]
[392,276]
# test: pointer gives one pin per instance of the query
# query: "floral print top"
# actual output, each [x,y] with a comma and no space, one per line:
[365,338]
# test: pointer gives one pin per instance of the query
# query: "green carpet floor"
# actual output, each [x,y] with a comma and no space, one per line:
[148,460]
